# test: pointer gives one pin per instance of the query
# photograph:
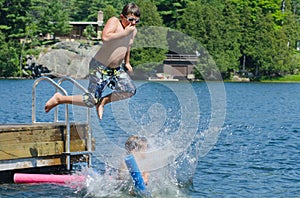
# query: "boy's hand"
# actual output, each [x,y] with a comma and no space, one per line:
[129,68]
[129,28]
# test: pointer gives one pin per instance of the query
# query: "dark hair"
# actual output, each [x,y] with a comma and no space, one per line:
[135,142]
[131,8]
[131,143]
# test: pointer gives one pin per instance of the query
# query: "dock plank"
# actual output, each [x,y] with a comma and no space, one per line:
[7,165]
[40,133]
[32,135]
[36,149]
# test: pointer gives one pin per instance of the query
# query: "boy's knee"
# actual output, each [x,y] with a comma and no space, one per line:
[89,100]
[133,92]
[128,94]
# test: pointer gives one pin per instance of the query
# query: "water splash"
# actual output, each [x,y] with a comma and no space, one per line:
[173,180]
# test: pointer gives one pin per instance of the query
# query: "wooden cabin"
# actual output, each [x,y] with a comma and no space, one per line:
[78,27]
[180,66]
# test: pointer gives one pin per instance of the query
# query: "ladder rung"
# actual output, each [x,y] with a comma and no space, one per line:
[79,153]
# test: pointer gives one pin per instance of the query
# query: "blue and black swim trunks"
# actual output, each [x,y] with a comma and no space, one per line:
[101,77]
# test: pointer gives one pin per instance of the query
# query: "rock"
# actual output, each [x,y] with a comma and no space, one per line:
[236,78]
[68,59]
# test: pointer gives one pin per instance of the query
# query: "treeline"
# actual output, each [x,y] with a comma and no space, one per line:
[258,38]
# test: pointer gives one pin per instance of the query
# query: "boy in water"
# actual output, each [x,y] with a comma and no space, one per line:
[135,145]
[105,69]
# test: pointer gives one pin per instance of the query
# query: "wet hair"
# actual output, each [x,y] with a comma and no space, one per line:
[135,143]
[131,8]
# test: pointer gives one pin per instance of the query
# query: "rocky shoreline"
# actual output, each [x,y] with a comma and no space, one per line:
[68,58]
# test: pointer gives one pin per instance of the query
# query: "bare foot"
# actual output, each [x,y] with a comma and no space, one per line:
[100,110]
[52,102]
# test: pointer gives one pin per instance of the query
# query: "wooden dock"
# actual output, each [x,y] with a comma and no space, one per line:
[36,147]
[45,147]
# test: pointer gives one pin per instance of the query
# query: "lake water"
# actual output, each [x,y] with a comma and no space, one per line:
[206,139]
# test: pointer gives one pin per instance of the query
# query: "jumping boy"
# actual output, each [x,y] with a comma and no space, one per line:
[105,67]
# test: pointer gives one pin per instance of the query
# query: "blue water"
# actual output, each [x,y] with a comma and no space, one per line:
[228,140]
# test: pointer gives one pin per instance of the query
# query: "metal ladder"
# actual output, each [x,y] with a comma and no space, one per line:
[58,87]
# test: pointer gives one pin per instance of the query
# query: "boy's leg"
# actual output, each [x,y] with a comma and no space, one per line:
[115,96]
[58,98]
[124,89]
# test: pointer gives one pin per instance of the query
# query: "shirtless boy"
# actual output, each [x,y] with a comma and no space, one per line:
[105,67]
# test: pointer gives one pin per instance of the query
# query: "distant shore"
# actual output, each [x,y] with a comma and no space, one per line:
[285,79]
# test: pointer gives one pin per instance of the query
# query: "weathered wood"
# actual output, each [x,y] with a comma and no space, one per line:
[77,145]
[38,149]
[37,145]
[30,163]
[40,133]
[31,136]
[26,127]
[25,150]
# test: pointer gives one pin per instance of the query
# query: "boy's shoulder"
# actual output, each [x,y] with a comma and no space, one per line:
[113,19]
[113,22]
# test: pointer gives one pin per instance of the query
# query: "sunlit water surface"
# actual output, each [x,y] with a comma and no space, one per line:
[256,153]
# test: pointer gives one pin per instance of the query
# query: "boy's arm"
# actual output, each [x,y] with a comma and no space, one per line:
[109,31]
[127,56]
[127,62]
[122,171]
[145,176]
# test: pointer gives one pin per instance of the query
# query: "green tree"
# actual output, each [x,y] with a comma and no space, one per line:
[117,5]
[82,10]
[13,22]
[265,45]
[204,23]
[94,7]
[55,19]
[9,59]
[79,10]
[257,36]
[296,8]
[265,39]
[171,11]
[145,53]
[51,17]
[109,11]
[89,32]
[231,35]
[13,17]
[287,36]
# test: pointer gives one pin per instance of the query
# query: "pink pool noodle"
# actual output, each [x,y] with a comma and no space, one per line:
[46,178]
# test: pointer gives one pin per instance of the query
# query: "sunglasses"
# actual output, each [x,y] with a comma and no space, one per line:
[131,19]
